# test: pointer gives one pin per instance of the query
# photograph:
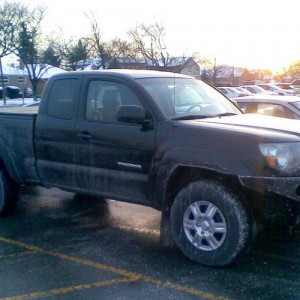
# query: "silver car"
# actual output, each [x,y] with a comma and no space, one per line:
[277,106]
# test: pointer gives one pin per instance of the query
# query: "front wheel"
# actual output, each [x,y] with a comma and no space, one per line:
[210,224]
[8,194]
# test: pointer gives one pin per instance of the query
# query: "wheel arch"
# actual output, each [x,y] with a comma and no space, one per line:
[183,175]
[7,164]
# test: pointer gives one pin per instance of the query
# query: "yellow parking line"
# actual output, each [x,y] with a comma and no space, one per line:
[70,289]
[183,289]
[114,270]
[16,254]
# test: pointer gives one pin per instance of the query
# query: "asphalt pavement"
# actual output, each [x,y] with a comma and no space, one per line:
[58,245]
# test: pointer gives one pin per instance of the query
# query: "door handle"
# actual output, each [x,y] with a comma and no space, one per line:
[84,135]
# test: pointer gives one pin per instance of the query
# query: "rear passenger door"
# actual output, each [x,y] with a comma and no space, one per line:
[113,158]
[54,135]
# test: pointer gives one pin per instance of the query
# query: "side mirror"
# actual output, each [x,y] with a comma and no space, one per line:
[133,114]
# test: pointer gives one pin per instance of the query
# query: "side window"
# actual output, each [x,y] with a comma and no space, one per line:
[61,101]
[5,79]
[246,107]
[104,99]
[270,109]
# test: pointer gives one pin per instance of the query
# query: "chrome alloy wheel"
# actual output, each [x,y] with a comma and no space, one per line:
[204,225]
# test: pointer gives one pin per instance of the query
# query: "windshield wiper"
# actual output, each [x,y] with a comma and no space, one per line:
[192,117]
[225,114]
[195,117]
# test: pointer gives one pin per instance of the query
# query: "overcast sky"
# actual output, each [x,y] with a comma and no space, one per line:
[243,33]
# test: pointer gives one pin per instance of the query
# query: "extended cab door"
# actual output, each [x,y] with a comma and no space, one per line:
[54,133]
[113,158]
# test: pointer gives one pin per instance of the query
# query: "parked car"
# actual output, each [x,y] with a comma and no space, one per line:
[255,89]
[231,92]
[285,85]
[269,87]
[243,90]
[277,106]
[12,92]
[28,92]
[296,83]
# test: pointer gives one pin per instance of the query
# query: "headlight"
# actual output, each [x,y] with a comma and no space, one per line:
[283,157]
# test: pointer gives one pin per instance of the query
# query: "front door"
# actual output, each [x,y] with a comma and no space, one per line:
[113,158]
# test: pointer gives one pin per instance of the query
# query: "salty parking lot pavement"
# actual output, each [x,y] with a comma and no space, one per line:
[61,246]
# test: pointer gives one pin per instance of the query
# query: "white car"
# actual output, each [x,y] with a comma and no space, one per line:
[269,87]
[231,92]
[255,89]
[243,90]
[277,106]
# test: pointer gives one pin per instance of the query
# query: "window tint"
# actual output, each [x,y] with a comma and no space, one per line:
[252,90]
[62,98]
[104,99]
[272,110]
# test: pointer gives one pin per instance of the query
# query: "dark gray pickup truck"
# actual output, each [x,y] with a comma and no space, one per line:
[163,140]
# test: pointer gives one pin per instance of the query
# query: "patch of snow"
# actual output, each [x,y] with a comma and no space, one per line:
[16,102]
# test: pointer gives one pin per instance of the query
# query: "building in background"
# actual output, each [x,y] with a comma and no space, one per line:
[19,77]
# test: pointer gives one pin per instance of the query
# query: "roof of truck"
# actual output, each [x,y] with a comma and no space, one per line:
[136,74]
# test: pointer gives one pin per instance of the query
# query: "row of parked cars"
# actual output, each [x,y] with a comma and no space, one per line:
[279,100]
[282,89]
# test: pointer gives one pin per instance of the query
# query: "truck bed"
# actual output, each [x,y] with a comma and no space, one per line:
[16,141]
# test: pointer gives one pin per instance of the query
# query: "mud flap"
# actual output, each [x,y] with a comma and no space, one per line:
[166,237]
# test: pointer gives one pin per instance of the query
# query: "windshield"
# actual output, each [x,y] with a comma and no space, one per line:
[259,89]
[296,104]
[234,90]
[184,97]
[275,87]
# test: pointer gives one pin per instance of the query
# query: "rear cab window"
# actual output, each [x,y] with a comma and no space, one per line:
[62,97]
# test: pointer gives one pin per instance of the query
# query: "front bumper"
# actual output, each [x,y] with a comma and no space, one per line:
[283,186]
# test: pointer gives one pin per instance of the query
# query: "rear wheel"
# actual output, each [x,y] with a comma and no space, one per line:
[8,194]
[210,224]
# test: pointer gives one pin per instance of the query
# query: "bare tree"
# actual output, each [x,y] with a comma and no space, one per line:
[120,52]
[109,52]
[263,74]
[98,47]
[11,15]
[28,46]
[294,69]
[74,53]
[149,43]
[208,67]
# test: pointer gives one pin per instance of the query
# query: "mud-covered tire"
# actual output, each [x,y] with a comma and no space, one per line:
[9,191]
[210,224]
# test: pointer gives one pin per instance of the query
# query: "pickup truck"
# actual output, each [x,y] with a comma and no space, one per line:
[164,140]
